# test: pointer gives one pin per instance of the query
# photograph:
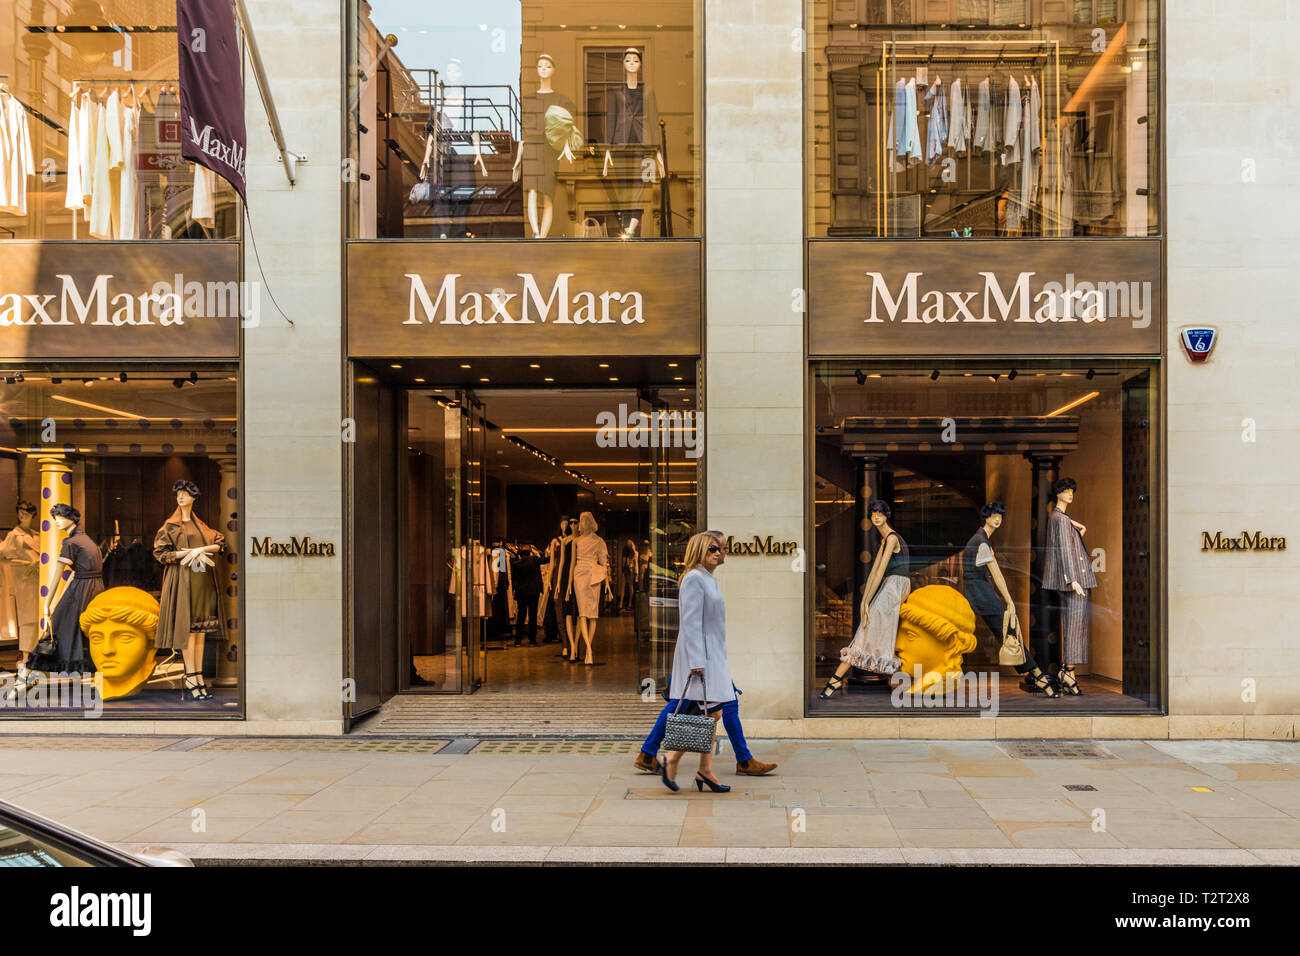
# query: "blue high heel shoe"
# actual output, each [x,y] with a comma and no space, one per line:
[663,775]
[701,780]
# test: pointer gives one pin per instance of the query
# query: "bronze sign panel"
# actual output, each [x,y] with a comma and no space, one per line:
[121,300]
[1036,297]
[513,298]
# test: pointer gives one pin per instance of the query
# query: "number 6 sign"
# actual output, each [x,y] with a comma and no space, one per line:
[1198,343]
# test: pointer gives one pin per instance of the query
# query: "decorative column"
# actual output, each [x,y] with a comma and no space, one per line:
[56,489]
[228,582]
[1043,633]
[868,487]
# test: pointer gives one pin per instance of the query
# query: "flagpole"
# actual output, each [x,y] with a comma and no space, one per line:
[290,160]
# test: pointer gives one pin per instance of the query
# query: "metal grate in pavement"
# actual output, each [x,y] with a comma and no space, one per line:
[1054,750]
[331,745]
[60,742]
[596,747]
[1079,787]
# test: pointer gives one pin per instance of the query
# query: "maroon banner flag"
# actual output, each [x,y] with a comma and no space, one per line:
[212,89]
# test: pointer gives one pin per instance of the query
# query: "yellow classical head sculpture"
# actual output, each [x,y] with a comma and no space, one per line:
[121,624]
[936,626]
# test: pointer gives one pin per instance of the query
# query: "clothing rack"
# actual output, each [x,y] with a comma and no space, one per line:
[1048,49]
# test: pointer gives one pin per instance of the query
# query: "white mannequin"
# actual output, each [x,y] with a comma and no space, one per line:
[545,70]
[195,559]
[632,76]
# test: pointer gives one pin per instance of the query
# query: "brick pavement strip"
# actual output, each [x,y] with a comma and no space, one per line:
[850,802]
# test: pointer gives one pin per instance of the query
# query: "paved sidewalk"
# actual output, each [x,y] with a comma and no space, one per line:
[946,801]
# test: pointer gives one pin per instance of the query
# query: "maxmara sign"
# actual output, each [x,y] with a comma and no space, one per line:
[1088,297]
[444,298]
[123,300]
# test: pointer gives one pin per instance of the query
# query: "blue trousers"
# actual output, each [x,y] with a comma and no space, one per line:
[730,722]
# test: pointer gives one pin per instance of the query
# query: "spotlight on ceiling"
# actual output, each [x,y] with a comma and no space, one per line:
[194,378]
[122,377]
[178,383]
[934,376]
[1091,373]
[1011,376]
[861,376]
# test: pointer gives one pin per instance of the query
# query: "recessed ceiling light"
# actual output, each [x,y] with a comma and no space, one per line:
[394,365]
[465,366]
[604,365]
[677,378]
[420,380]
[672,364]
[485,380]
[613,378]
[548,380]
[533,365]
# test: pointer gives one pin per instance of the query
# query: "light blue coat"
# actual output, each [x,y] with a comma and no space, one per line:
[701,640]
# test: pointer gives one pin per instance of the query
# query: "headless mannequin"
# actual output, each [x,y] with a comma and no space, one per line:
[542,228]
[632,77]
[192,653]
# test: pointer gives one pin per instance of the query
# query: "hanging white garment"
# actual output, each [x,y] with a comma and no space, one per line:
[72,195]
[128,201]
[101,195]
[15,156]
[982,117]
[958,118]
[910,146]
[87,130]
[1014,118]
[1032,137]
[204,201]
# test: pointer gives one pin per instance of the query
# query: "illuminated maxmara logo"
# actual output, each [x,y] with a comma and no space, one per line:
[561,305]
[1068,301]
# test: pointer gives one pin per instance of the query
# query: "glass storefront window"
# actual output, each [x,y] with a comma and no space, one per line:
[91,127]
[514,118]
[939,444]
[113,444]
[957,118]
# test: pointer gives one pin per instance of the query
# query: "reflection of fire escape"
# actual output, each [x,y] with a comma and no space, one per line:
[475,135]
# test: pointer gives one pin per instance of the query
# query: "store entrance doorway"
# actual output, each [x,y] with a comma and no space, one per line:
[484,585]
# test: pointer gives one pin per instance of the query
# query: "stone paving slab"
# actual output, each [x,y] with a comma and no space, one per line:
[939,802]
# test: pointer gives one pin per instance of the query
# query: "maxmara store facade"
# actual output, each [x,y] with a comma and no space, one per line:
[965,321]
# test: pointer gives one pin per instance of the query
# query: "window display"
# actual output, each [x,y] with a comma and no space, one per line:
[109,454]
[587,131]
[90,143]
[1012,502]
[977,118]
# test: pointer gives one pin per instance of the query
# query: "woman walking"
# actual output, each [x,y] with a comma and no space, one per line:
[888,585]
[701,676]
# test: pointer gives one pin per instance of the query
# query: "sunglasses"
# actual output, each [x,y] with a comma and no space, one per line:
[714,549]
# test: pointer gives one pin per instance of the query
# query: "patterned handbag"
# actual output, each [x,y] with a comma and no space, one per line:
[690,733]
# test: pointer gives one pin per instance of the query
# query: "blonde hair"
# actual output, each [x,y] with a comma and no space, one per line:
[696,548]
[587,523]
[123,606]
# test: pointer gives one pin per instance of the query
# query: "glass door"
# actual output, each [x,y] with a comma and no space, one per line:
[480,581]
[670,487]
